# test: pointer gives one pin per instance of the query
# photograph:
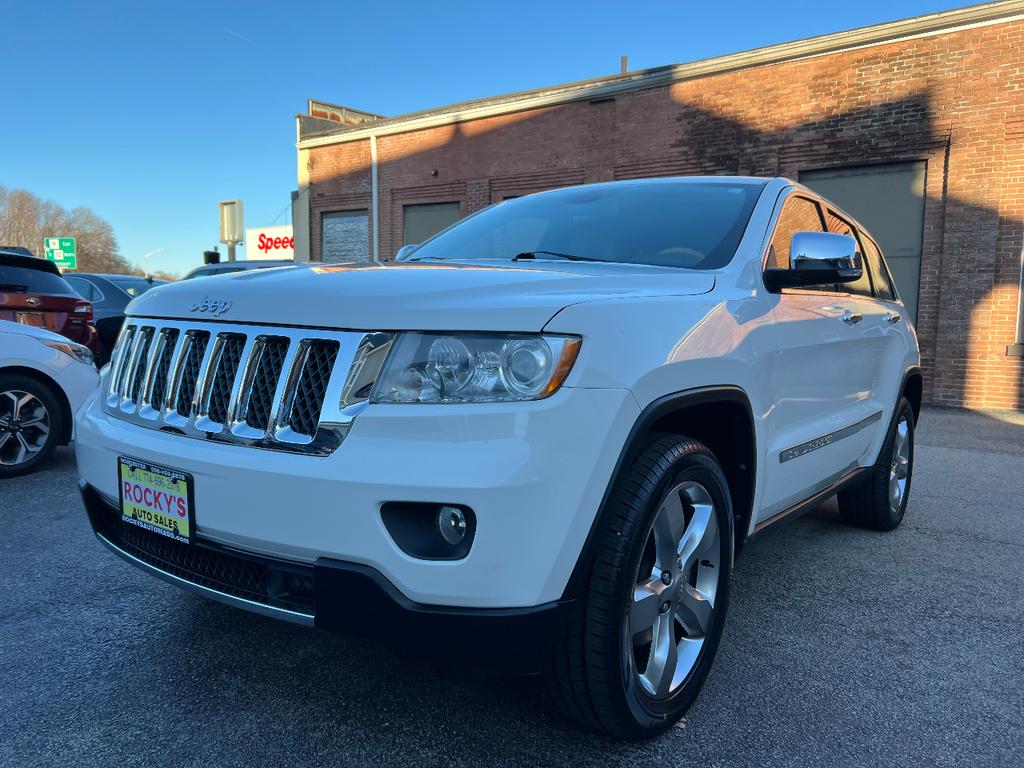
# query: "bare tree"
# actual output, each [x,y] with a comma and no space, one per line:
[25,219]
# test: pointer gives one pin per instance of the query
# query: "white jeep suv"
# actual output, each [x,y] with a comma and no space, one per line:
[536,443]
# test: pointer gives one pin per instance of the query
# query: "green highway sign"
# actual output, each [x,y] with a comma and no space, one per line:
[61,251]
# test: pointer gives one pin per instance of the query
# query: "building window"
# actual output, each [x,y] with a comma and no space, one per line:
[421,222]
[345,236]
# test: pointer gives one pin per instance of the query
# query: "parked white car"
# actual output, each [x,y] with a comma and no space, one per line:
[536,443]
[44,379]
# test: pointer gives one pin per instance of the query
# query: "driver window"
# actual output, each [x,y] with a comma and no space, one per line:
[798,215]
[841,226]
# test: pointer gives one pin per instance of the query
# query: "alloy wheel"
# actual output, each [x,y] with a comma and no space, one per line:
[24,426]
[673,602]
[899,466]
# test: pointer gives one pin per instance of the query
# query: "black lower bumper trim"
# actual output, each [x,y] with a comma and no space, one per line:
[356,599]
[339,597]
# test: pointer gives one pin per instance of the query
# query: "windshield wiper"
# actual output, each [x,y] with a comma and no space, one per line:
[534,254]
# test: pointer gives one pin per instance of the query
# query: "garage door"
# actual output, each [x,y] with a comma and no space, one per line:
[345,236]
[888,200]
[420,222]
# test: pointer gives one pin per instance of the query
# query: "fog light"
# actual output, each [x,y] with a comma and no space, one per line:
[451,522]
[430,531]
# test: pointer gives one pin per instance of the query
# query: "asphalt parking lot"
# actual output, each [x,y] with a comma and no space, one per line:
[843,647]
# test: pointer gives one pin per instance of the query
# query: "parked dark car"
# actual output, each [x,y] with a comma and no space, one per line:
[33,292]
[225,267]
[109,294]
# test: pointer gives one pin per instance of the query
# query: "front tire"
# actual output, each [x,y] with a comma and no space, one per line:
[880,502]
[638,649]
[31,424]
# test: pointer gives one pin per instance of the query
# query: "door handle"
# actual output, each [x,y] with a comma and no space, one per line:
[892,318]
[852,318]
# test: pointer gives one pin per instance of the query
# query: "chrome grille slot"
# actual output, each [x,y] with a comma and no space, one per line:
[288,389]
[196,342]
[311,386]
[259,401]
[141,365]
[122,355]
[162,369]
[229,357]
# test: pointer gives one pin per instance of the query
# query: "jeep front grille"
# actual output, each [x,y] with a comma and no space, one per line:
[277,388]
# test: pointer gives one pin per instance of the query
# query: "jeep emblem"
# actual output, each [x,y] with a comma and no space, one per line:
[215,307]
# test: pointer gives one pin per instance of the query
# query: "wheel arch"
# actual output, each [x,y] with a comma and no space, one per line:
[698,414]
[55,389]
[913,389]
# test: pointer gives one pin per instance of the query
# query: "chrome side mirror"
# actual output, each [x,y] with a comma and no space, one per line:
[823,250]
[817,259]
[406,251]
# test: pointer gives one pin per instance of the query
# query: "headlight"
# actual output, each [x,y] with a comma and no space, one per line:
[70,348]
[474,367]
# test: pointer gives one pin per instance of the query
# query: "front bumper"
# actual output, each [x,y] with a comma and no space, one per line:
[534,475]
[337,596]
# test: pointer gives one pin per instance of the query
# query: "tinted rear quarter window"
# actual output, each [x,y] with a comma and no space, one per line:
[24,280]
[82,287]
[883,280]
[133,286]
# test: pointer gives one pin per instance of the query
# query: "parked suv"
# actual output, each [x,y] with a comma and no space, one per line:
[537,444]
[33,292]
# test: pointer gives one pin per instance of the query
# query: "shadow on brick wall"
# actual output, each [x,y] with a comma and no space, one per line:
[970,255]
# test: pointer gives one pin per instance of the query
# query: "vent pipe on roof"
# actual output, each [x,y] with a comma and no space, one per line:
[623,64]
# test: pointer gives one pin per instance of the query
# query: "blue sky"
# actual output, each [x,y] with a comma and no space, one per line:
[151,113]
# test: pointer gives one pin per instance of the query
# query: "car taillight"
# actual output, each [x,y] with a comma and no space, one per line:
[83,309]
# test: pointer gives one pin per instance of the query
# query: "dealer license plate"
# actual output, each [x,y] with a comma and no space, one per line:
[159,499]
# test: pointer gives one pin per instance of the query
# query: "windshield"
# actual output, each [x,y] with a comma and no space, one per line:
[695,225]
[134,286]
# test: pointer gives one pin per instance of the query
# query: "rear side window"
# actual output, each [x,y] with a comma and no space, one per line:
[84,288]
[133,286]
[841,226]
[798,215]
[883,280]
[24,280]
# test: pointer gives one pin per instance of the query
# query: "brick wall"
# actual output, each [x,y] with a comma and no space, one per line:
[953,100]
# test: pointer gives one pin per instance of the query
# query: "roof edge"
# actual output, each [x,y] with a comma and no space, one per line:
[611,85]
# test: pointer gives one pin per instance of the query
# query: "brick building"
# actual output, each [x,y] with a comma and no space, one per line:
[916,127]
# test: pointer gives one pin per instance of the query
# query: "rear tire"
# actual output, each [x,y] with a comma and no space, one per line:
[31,423]
[638,647]
[880,502]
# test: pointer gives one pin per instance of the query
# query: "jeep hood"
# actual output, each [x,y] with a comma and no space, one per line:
[412,296]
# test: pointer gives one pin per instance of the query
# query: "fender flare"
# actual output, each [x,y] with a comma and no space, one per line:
[657,409]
